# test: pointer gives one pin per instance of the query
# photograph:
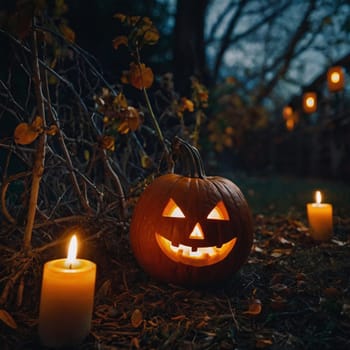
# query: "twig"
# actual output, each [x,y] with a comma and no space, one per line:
[12,280]
[233,314]
[50,70]
[69,163]
[4,188]
[115,177]
[39,161]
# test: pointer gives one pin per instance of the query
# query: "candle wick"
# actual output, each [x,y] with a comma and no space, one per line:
[70,266]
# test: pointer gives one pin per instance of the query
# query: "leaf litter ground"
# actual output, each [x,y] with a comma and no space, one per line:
[293,293]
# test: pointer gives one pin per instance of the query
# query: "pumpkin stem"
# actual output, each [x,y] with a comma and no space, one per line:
[191,156]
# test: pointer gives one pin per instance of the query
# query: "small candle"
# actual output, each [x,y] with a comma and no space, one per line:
[320,216]
[66,301]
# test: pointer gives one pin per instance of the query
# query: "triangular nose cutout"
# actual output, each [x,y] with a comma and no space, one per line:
[197,232]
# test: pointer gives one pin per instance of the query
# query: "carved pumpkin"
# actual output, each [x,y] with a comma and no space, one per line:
[191,230]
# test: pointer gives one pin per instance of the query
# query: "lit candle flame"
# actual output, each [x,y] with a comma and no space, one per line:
[72,250]
[318,197]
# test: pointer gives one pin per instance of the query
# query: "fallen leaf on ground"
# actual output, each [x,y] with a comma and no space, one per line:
[7,319]
[254,308]
[136,318]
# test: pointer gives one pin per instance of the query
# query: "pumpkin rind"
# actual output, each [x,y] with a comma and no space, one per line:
[196,197]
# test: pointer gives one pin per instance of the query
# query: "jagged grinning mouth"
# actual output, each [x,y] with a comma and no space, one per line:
[202,256]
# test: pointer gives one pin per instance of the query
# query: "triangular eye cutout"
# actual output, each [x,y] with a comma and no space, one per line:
[172,210]
[219,212]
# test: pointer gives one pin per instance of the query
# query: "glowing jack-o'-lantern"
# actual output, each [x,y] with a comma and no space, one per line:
[191,230]
[335,78]
[201,256]
[309,102]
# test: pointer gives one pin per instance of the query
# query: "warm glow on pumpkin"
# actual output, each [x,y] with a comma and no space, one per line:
[219,212]
[197,232]
[201,256]
[172,210]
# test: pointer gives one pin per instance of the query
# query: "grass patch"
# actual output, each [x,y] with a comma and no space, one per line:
[286,195]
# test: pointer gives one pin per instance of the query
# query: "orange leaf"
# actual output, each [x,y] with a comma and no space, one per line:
[120,16]
[37,124]
[146,161]
[120,101]
[24,134]
[140,76]
[120,40]
[68,33]
[263,343]
[254,308]
[136,318]
[123,127]
[7,319]
[108,143]
[125,77]
[186,104]
[133,118]
[52,130]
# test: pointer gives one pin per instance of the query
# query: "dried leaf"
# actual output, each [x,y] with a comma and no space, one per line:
[263,343]
[285,241]
[276,253]
[278,303]
[7,319]
[86,155]
[120,40]
[151,35]
[134,119]
[37,124]
[123,127]
[331,292]
[24,134]
[108,143]
[135,343]
[120,16]
[178,318]
[146,161]
[68,33]
[257,249]
[254,308]
[120,101]
[136,318]
[339,243]
[105,289]
[140,76]
[52,130]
